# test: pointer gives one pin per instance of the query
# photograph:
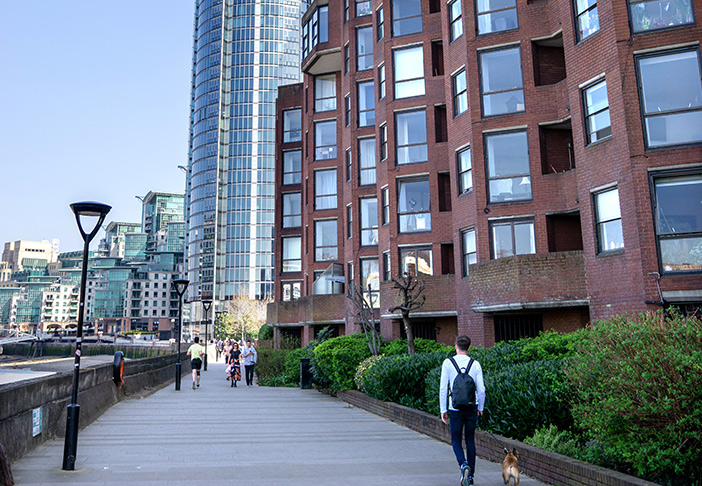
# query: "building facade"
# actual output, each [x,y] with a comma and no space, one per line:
[242,52]
[538,165]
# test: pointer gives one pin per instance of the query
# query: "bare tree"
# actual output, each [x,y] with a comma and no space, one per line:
[363,316]
[247,315]
[410,290]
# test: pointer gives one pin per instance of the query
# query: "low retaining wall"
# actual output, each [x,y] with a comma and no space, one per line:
[52,394]
[537,463]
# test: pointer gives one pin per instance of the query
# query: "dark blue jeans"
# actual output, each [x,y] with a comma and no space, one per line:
[464,422]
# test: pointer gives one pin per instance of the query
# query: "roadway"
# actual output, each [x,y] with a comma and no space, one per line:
[219,435]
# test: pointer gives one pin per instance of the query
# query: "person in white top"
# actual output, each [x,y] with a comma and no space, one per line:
[463,421]
[250,357]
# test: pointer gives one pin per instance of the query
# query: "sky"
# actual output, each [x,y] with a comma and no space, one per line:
[95,105]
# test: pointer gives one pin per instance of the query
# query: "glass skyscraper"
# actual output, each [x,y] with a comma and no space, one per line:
[243,50]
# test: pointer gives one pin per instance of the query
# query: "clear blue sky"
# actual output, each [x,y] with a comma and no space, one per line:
[95,103]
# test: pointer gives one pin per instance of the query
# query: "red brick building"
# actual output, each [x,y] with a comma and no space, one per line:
[537,163]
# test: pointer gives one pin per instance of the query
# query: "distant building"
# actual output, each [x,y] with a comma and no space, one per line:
[113,243]
[22,254]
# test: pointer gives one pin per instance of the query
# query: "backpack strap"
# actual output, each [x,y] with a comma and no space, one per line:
[455,365]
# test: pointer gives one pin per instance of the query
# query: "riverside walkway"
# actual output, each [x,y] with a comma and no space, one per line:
[218,435]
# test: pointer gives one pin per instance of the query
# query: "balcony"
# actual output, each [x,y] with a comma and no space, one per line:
[542,281]
[440,297]
[313,309]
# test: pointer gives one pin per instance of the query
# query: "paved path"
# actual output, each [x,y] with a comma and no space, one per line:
[218,435]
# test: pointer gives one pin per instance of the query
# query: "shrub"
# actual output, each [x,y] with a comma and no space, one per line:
[270,364]
[551,345]
[399,346]
[524,397]
[338,358]
[265,333]
[402,378]
[559,441]
[292,365]
[364,366]
[639,392]
[431,391]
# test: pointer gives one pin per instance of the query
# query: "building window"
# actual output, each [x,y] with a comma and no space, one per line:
[364,48]
[369,221]
[325,140]
[349,221]
[507,158]
[347,109]
[347,59]
[292,125]
[292,210]
[416,261]
[381,82]
[496,16]
[411,137]
[671,97]
[383,142]
[366,104]
[291,291]
[649,15]
[386,205]
[348,165]
[292,254]
[511,238]
[315,30]
[460,93]
[366,161]
[325,248]
[292,167]
[370,277]
[413,207]
[501,86]
[587,19]
[408,65]
[387,274]
[455,20]
[380,20]
[406,17]
[608,218]
[346,10]
[325,189]
[363,8]
[465,171]
[325,93]
[597,112]
[468,248]
[678,213]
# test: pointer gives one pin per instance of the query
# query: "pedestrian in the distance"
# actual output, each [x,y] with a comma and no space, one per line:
[195,351]
[463,418]
[227,350]
[234,368]
[250,357]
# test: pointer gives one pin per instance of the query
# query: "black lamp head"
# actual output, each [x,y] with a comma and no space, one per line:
[90,209]
[207,304]
[180,285]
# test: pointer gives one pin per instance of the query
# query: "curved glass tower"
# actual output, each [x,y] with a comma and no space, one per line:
[243,50]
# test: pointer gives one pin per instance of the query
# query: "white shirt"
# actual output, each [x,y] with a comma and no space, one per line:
[251,358]
[449,373]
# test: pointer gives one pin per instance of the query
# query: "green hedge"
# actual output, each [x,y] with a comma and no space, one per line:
[336,360]
[638,384]
[399,346]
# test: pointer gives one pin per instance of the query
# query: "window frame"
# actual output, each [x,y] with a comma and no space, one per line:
[349,165]
[290,139]
[372,297]
[458,95]
[369,6]
[385,198]
[481,14]
[288,216]
[631,3]
[366,228]
[319,102]
[512,222]
[380,23]
[387,270]
[394,19]
[415,249]
[408,146]
[400,213]
[292,285]
[576,21]
[466,255]
[347,110]
[489,177]
[481,70]
[349,221]
[318,195]
[383,141]
[284,261]
[599,248]
[458,20]
[368,98]
[319,247]
[318,148]
[359,56]
[299,172]
[366,169]
[461,171]
[382,92]
[588,116]
[405,81]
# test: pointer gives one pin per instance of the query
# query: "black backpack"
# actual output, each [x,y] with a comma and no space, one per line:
[463,390]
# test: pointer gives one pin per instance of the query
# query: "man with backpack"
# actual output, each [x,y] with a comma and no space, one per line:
[462,383]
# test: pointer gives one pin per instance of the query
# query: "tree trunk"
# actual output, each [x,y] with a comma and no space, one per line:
[409,332]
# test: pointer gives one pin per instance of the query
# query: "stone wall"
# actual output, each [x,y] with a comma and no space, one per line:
[52,394]
[536,463]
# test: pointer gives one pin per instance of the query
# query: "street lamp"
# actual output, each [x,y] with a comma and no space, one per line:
[206,304]
[80,210]
[179,285]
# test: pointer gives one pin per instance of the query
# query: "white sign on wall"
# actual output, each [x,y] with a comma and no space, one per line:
[36,422]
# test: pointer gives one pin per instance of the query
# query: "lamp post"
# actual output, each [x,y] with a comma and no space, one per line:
[99,211]
[206,304]
[179,285]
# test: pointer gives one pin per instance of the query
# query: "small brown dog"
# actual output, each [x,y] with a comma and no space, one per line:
[510,469]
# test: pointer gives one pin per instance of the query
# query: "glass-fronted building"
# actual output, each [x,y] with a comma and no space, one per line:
[243,50]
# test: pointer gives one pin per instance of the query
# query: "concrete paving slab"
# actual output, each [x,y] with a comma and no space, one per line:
[222,435]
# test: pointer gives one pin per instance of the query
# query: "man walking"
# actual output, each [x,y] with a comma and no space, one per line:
[463,417]
[250,356]
[195,351]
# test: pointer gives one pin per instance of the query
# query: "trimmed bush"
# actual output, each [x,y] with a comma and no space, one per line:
[338,358]
[270,366]
[431,391]
[265,333]
[402,378]
[558,441]
[639,393]
[364,366]
[399,346]
[292,365]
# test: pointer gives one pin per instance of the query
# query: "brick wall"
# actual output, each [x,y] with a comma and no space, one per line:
[540,464]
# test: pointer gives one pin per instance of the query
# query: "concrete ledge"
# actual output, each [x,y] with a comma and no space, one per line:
[96,393]
[537,463]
